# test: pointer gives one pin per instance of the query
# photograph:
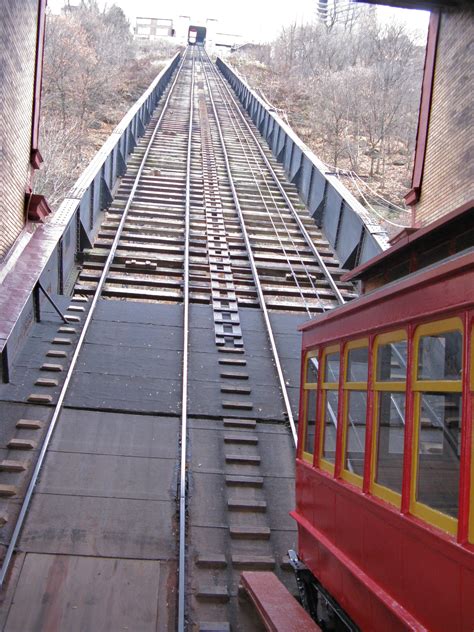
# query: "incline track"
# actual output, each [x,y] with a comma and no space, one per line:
[204,217]
[296,267]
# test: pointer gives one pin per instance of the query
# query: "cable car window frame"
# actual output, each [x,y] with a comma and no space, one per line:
[323,463]
[382,386]
[428,514]
[309,386]
[348,387]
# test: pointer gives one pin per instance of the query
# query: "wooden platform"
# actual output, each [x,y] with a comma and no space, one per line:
[278,609]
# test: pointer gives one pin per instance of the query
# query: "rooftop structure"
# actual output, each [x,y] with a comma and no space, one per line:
[152,29]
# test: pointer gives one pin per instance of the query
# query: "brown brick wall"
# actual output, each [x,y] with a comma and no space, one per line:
[448,175]
[18,27]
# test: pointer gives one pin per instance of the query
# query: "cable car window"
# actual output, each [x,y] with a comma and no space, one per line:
[390,440]
[440,356]
[439,451]
[312,370]
[310,395]
[328,452]
[330,394]
[437,423]
[331,367]
[391,363]
[358,365]
[310,423]
[355,434]
[355,410]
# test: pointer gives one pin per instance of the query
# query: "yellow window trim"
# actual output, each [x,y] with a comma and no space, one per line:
[428,514]
[355,386]
[399,387]
[383,339]
[436,518]
[438,386]
[357,344]
[307,386]
[386,494]
[392,336]
[438,327]
[350,477]
[326,466]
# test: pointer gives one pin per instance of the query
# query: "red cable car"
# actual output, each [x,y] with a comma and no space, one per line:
[192,35]
[385,464]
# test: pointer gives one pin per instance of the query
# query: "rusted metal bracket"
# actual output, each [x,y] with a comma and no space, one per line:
[37,307]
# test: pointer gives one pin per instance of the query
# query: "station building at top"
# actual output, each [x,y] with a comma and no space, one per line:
[22,34]
[442,188]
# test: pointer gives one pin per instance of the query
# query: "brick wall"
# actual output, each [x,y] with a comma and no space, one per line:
[448,175]
[18,28]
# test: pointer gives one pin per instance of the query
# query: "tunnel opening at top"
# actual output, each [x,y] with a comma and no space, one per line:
[200,33]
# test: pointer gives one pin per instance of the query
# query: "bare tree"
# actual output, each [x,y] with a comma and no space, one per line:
[351,90]
[92,74]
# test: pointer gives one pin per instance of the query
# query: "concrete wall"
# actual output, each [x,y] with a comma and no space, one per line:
[448,174]
[18,29]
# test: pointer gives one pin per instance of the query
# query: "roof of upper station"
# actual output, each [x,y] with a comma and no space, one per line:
[418,242]
[427,5]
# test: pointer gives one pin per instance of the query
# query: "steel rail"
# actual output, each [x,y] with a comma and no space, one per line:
[242,137]
[184,404]
[292,209]
[282,246]
[253,266]
[280,214]
[98,291]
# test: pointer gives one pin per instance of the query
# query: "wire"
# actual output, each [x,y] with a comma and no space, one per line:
[376,194]
[372,208]
[292,271]
[391,204]
[295,217]
[244,137]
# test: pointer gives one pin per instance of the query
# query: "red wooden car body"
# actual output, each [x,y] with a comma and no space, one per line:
[392,561]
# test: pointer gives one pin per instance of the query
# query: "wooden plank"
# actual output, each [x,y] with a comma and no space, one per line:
[277,608]
[65,592]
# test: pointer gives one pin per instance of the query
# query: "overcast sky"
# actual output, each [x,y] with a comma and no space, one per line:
[256,20]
